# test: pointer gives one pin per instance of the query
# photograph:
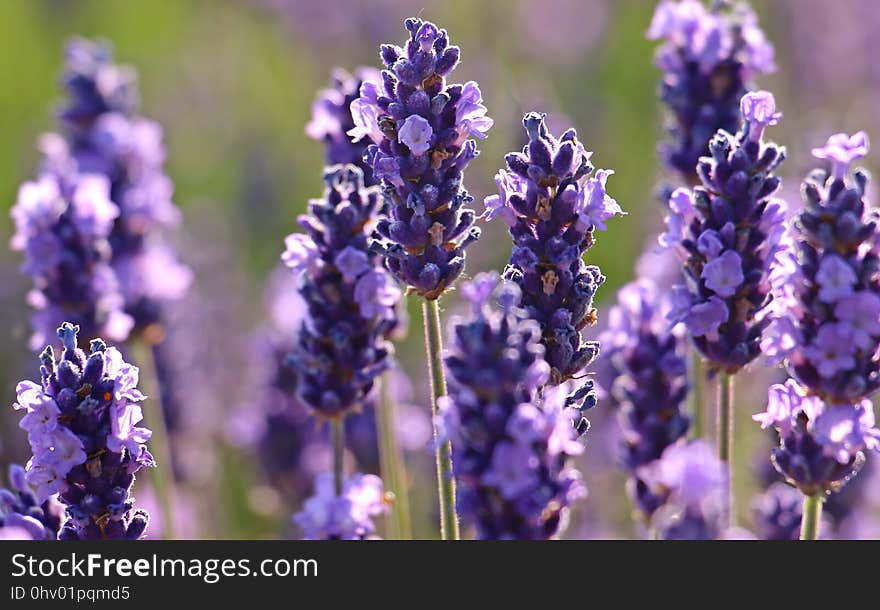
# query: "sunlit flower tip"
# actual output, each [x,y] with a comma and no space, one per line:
[843,150]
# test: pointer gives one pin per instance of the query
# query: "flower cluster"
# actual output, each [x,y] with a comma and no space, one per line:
[419,126]
[343,344]
[650,382]
[708,58]
[821,445]
[510,446]
[729,233]
[102,133]
[826,310]
[19,509]
[778,512]
[552,208]
[82,429]
[63,227]
[332,120]
[349,516]
[691,481]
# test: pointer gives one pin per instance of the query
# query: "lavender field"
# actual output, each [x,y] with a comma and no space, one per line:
[557,269]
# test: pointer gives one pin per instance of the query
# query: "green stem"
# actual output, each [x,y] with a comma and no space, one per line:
[392,464]
[445,480]
[725,436]
[160,445]
[698,373]
[811,516]
[338,432]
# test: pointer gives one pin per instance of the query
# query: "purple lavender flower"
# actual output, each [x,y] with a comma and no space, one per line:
[821,445]
[332,119]
[778,513]
[826,309]
[343,345]
[349,516]
[649,373]
[691,480]
[82,426]
[729,232]
[510,448]
[19,508]
[62,227]
[103,134]
[419,126]
[552,209]
[708,58]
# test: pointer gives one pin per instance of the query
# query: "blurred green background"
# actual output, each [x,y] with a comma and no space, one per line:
[232,83]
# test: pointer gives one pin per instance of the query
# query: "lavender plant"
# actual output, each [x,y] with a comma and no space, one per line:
[19,509]
[82,428]
[331,515]
[709,57]
[510,446]
[419,125]
[552,210]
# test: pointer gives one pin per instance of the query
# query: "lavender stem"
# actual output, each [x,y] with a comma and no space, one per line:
[392,465]
[698,373]
[812,514]
[725,435]
[445,480]
[162,475]
[338,432]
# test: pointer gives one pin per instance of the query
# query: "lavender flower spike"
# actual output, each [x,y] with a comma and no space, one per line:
[344,344]
[552,209]
[332,120]
[708,58]
[729,233]
[821,445]
[649,371]
[510,448]
[420,125]
[63,227]
[349,516]
[826,309]
[82,428]
[19,508]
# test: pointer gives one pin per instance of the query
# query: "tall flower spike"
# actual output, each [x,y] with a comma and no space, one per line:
[708,58]
[19,508]
[826,309]
[102,133]
[729,233]
[349,516]
[62,226]
[419,126]
[821,445]
[552,209]
[510,447]
[87,446]
[343,345]
[332,120]
[649,373]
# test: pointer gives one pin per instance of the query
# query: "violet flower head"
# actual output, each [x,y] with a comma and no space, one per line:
[552,207]
[729,233]
[82,426]
[649,382]
[708,58]
[19,508]
[326,516]
[102,133]
[826,291]
[691,480]
[420,126]
[62,227]
[777,513]
[344,343]
[332,120]
[821,445]
[510,447]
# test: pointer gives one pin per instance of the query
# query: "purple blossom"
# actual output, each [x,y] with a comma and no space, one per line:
[843,150]
[596,206]
[91,450]
[510,447]
[19,510]
[343,345]
[419,125]
[835,278]
[722,274]
[758,109]
[349,516]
